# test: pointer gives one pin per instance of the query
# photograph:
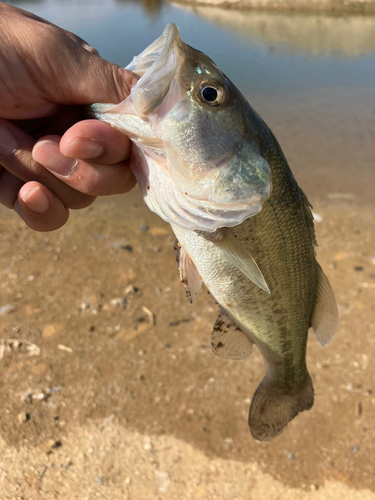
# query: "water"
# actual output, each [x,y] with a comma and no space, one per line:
[311,77]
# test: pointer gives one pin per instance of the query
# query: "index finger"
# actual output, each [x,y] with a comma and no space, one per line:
[95,141]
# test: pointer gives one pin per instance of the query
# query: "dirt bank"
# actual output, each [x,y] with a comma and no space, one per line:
[352,6]
[110,389]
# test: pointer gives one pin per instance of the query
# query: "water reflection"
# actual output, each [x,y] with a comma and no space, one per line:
[315,34]
[150,6]
[19,3]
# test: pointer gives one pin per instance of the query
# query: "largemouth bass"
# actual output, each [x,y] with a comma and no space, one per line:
[209,166]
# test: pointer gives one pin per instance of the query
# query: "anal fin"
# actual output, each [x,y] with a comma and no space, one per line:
[228,341]
[324,319]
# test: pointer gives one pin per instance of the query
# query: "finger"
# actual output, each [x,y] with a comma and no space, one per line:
[89,178]
[95,80]
[39,208]
[18,160]
[95,141]
[9,188]
[57,123]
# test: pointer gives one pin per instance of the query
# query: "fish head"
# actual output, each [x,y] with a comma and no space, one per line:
[197,158]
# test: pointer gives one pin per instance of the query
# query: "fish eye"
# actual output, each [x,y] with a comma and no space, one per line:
[211,93]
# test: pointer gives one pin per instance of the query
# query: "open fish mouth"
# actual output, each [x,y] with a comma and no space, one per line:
[156,65]
[158,51]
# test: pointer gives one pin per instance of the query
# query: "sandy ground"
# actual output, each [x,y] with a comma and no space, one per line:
[109,388]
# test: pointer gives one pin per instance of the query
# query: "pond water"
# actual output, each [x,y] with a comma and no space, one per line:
[311,77]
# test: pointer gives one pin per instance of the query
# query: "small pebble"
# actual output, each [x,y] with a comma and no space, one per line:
[128,248]
[143,228]
[99,479]
[131,290]
[6,308]
[354,449]
[359,409]
[120,302]
[23,417]
[289,456]
[147,446]
[317,217]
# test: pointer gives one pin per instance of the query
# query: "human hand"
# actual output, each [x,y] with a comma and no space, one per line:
[50,161]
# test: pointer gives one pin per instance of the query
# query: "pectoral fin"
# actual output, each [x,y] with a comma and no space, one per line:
[188,272]
[228,341]
[236,254]
[324,320]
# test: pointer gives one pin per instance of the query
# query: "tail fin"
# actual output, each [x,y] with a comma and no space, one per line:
[273,407]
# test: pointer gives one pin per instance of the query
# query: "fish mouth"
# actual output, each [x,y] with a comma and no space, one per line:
[156,66]
[155,54]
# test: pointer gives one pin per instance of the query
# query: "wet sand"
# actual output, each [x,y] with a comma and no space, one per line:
[110,389]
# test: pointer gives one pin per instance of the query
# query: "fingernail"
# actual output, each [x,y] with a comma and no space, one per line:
[35,200]
[8,143]
[84,149]
[47,153]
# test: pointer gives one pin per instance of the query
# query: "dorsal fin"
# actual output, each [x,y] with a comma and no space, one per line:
[188,272]
[227,340]
[324,319]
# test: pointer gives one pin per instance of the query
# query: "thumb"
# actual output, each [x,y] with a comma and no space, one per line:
[57,64]
[92,79]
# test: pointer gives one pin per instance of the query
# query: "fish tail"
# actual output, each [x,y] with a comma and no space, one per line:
[273,407]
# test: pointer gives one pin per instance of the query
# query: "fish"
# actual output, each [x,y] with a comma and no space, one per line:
[207,164]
